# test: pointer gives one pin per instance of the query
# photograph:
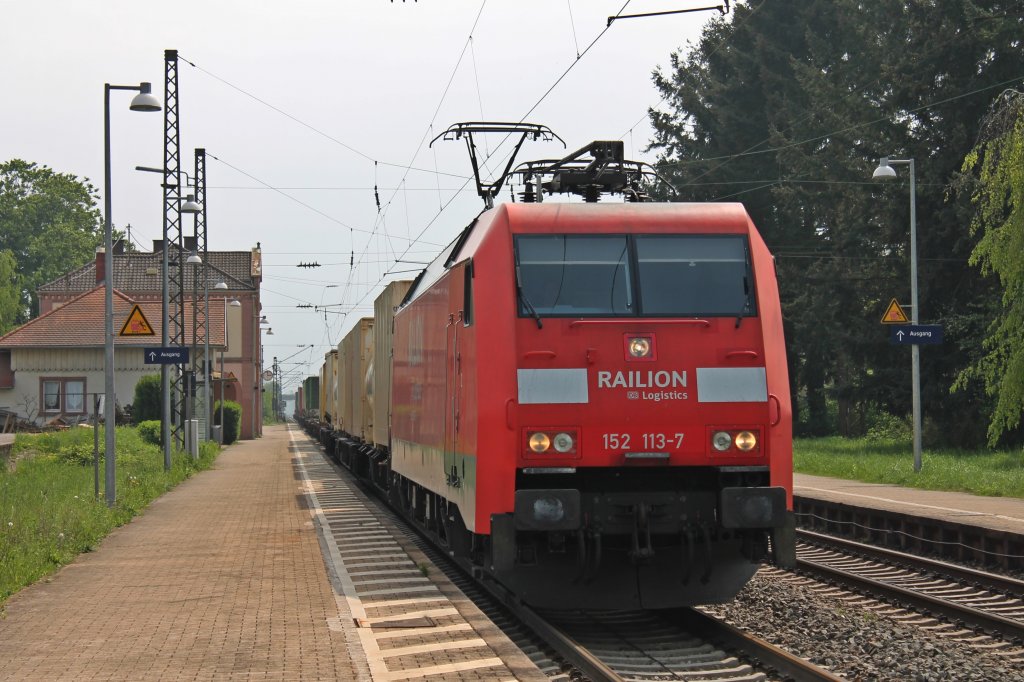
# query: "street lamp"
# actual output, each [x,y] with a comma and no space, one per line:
[192,435]
[259,378]
[190,207]
[195,260]
[885,171]
[207,366]
[144,101]
[235,303]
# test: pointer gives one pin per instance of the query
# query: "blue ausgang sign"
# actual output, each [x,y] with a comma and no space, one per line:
[920,334]
[171,355]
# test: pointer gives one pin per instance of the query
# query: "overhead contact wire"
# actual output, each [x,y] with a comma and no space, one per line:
[307,125]
[426,133]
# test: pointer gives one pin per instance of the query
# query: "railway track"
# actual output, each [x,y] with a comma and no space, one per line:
[640,646]
[626,646]
[618,646]
[969,598]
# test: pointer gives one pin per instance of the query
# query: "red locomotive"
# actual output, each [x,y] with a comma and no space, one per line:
[590,402]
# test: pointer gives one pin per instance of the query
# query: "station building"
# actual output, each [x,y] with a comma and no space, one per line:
[51,364]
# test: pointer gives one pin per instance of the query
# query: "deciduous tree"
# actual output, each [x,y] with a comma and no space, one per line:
[49,221]
[787,107]
[996,164]
[10,292]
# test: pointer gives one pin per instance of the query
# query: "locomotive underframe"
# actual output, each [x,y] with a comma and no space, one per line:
[649,537]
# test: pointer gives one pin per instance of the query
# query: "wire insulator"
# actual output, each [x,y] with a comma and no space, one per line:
[376,194]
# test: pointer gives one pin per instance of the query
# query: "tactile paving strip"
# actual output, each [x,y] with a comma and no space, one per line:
[405,620]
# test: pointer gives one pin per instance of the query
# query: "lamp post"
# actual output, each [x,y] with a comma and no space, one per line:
[235,303]
[274,406]
[258,398]
[144,101]
[190,206]
[191,435]
[885,171]
[207,366]
[196,261]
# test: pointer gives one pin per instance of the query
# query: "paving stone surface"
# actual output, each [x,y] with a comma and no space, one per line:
[221,578]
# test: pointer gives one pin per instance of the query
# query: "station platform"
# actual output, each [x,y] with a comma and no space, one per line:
[266,567]
[956,526]
[995,513]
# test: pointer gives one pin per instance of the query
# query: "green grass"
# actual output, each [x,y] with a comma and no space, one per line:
[999,473]
[48,513]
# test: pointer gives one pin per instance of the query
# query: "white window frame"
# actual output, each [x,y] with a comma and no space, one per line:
[62,395]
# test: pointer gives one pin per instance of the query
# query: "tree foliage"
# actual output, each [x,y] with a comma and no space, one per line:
[998,192]
[148,399]
[49,221]
[787,107]
[10,292]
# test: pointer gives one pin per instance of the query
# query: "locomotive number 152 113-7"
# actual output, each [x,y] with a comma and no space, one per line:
[647,441]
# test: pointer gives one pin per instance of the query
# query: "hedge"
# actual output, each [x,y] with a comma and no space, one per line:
[147,399]
[232,419]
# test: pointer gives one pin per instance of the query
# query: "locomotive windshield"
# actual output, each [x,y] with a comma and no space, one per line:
[618,275]
[574,275]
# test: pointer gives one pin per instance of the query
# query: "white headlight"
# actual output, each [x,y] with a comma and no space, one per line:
[639,347]
[563,442]
[539,442]
[721,441]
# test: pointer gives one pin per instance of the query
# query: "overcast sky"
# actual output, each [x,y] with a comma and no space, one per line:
[357,82]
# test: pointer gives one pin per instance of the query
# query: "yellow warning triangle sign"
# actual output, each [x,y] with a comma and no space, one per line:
[137,324]
[894,314]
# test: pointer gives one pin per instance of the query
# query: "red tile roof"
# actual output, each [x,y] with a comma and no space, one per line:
[137,272]
[79,323]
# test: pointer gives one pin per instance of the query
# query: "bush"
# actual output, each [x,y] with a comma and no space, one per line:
[78,453]
[147,399]
[149,430]
[232,419]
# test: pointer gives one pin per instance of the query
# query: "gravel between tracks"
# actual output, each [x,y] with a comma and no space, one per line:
[856,643]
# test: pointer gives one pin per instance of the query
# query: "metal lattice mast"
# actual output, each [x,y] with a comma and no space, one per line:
[199,313]
[174,272]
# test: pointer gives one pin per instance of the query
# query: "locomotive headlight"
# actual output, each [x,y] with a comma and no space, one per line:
[721,441]
[563,442]
[746,441]
[539,442]
[639,347]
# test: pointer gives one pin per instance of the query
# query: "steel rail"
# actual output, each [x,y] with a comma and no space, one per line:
[560,642]
[971,617]
[995,581]
[702,625]
[771,656]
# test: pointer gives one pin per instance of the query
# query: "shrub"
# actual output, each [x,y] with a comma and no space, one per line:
[149,430]
[147,399]
[883,426]
[232,419]
[78,453]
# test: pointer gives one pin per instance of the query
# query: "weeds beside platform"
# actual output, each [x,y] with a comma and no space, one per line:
[987,472]
[48,512]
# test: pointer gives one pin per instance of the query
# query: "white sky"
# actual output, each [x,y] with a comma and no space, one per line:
[368,73]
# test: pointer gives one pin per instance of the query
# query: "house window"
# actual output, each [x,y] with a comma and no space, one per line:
[63,396]
[6,373]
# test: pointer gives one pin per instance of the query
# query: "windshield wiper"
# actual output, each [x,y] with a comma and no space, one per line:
[526,302]
[746,301]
